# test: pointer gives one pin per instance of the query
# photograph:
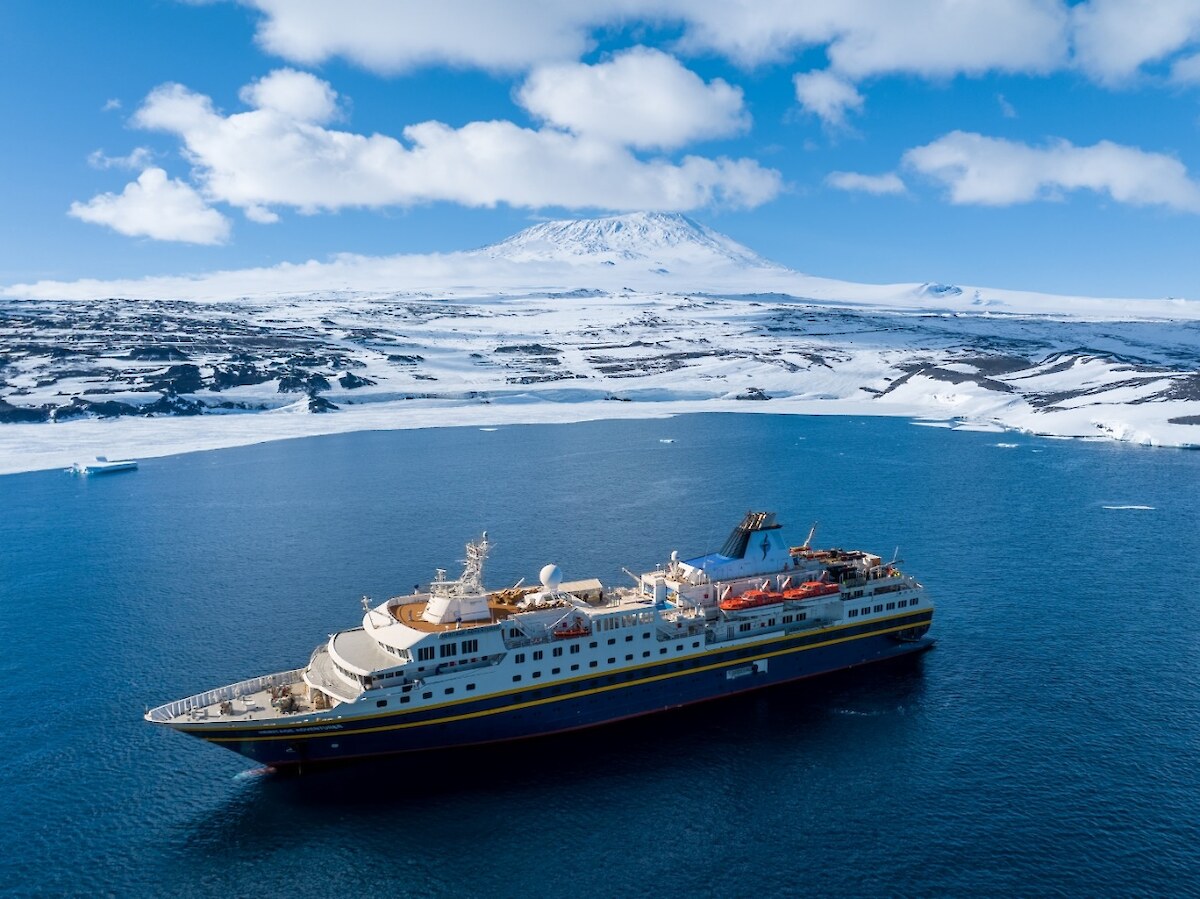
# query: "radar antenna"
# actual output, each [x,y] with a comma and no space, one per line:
[472,577]
[812,532]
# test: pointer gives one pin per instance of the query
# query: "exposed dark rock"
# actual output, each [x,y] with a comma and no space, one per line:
[996,365]
[11,414]
[529,349]
[79,407]
[353,382]
[174,405]
[157,354]
[1185,420]
[242,375]
[177,379]
[405,360]
[1186,388]
[752,393]
[319,404]
[300,383]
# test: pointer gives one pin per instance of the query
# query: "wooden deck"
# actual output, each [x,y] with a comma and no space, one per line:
[410,614]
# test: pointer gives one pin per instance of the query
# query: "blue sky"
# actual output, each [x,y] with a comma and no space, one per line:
[1030,144]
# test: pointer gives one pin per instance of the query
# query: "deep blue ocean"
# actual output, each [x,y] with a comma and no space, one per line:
[1048,745]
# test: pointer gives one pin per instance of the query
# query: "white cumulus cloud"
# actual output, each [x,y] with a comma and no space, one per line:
[1115,38]
[159,207]
[391,37]
[994,172]
[930,37]
[298,95]
[642,98]
[273,156]
[889,183]
[827,96]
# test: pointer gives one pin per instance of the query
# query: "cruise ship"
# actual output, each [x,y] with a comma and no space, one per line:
[457,665]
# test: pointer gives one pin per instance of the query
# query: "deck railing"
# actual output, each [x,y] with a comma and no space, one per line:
[172,710]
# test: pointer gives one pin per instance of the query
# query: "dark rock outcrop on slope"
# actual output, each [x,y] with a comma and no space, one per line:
[350,381]
[299,382]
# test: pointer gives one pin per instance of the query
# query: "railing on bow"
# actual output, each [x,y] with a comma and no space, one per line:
[172,710]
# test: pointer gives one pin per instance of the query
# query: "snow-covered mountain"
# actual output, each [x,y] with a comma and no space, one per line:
[635,315]
[647,238]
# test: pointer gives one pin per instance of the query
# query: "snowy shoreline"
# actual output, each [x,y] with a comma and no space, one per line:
[48,446]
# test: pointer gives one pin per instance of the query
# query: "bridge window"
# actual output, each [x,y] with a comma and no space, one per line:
[424,653]
[470,646]
[446,650]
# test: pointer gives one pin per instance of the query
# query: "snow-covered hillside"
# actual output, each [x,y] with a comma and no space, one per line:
[627,316]
[650,240]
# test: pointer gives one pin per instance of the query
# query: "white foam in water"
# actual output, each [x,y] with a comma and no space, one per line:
[667,440]
[1137,508]
[1007,445]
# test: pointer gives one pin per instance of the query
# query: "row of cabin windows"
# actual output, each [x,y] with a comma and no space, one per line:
[447,650]
[592,664]
[559,689]
[428,694]
[613,622]
[770,622]
[866,610]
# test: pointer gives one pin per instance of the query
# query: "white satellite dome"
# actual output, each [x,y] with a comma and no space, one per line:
[551,577]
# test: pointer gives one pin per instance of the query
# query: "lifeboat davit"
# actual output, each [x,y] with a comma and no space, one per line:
[751,599]
[810,589]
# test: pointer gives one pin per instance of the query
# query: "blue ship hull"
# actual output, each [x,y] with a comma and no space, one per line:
[583,702]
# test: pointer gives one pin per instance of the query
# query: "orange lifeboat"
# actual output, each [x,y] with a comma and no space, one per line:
[810,589]
[751,599]
[576,628]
